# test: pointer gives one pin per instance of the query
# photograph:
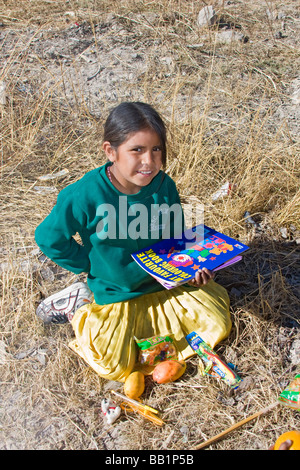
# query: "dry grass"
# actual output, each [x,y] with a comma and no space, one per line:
[230,117]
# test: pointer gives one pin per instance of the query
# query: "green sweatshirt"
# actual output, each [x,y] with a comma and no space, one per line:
[111,226]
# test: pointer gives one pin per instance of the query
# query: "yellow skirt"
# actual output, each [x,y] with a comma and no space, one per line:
[105,333]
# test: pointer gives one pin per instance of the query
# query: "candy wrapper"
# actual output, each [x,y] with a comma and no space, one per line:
[291,395]
[213,364]
[156,349]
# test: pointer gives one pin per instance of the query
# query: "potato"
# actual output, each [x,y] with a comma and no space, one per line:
[168,371]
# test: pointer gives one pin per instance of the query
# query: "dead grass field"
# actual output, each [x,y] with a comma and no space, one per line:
[232,110]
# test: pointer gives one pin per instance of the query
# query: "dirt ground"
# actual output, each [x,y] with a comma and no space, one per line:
[69,71]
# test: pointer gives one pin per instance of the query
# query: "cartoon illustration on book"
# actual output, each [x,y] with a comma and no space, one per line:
[174,261]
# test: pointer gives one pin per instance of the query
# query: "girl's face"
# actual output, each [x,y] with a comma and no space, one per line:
[136,161]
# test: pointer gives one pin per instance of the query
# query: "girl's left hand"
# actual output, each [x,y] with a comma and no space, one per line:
[202,277]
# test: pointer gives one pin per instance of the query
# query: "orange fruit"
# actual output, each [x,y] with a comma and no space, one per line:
[292,436]
[168,371]
[134,385]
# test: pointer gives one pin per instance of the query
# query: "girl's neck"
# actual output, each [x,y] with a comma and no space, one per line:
[116,183]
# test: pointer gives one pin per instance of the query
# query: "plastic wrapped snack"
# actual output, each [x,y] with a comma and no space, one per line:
[156,349]
[213,364]
[291,395]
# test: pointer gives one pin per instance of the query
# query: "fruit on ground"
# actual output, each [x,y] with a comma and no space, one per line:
[168,371]
[134,385]
[292,436]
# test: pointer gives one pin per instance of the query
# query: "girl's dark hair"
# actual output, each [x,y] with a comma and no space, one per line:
[130,117]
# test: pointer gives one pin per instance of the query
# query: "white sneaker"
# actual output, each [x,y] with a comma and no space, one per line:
[60,307]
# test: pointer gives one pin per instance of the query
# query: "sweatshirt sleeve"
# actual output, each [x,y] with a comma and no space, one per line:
[55,234]
[177,221]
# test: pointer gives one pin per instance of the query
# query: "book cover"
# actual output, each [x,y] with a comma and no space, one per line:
[175,261]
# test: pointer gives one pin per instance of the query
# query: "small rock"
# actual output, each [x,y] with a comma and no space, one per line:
[249,220]
[206,16]
[272,14]
[35,252]
[112,385]
[281,15]
[2,92]
[226,401]
[26,353]
[296,97]
[196,46]
[58,174]
[4,355]
[284,232]
[282,339]
[185,432]
[41,356]
[295,352]
[70,13]
[45,189]
[246,384]
[229,35]
[231,355]
[47,274]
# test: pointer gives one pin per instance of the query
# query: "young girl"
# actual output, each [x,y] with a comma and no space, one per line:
[103,207]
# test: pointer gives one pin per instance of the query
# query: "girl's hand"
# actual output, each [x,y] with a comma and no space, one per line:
[202,277]
[284,446]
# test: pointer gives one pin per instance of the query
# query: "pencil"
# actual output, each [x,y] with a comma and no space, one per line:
[136,403]
[235,426]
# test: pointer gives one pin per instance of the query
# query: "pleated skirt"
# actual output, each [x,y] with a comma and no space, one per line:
[105,334]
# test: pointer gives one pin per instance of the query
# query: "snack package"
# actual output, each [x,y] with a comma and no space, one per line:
[156,349]
[214,365]
[291,395]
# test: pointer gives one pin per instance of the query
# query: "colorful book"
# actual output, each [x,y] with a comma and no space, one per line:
[175,261]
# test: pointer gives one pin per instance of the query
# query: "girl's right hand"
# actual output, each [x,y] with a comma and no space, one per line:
[202,277]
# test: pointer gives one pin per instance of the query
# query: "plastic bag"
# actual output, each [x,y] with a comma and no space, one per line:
[213,363]
[291,395]
[156,349]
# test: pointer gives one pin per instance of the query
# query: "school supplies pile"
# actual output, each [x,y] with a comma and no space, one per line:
[175,261]
[215,367]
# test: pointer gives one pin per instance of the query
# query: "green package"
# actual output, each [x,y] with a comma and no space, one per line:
[156,349]
[291,395]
